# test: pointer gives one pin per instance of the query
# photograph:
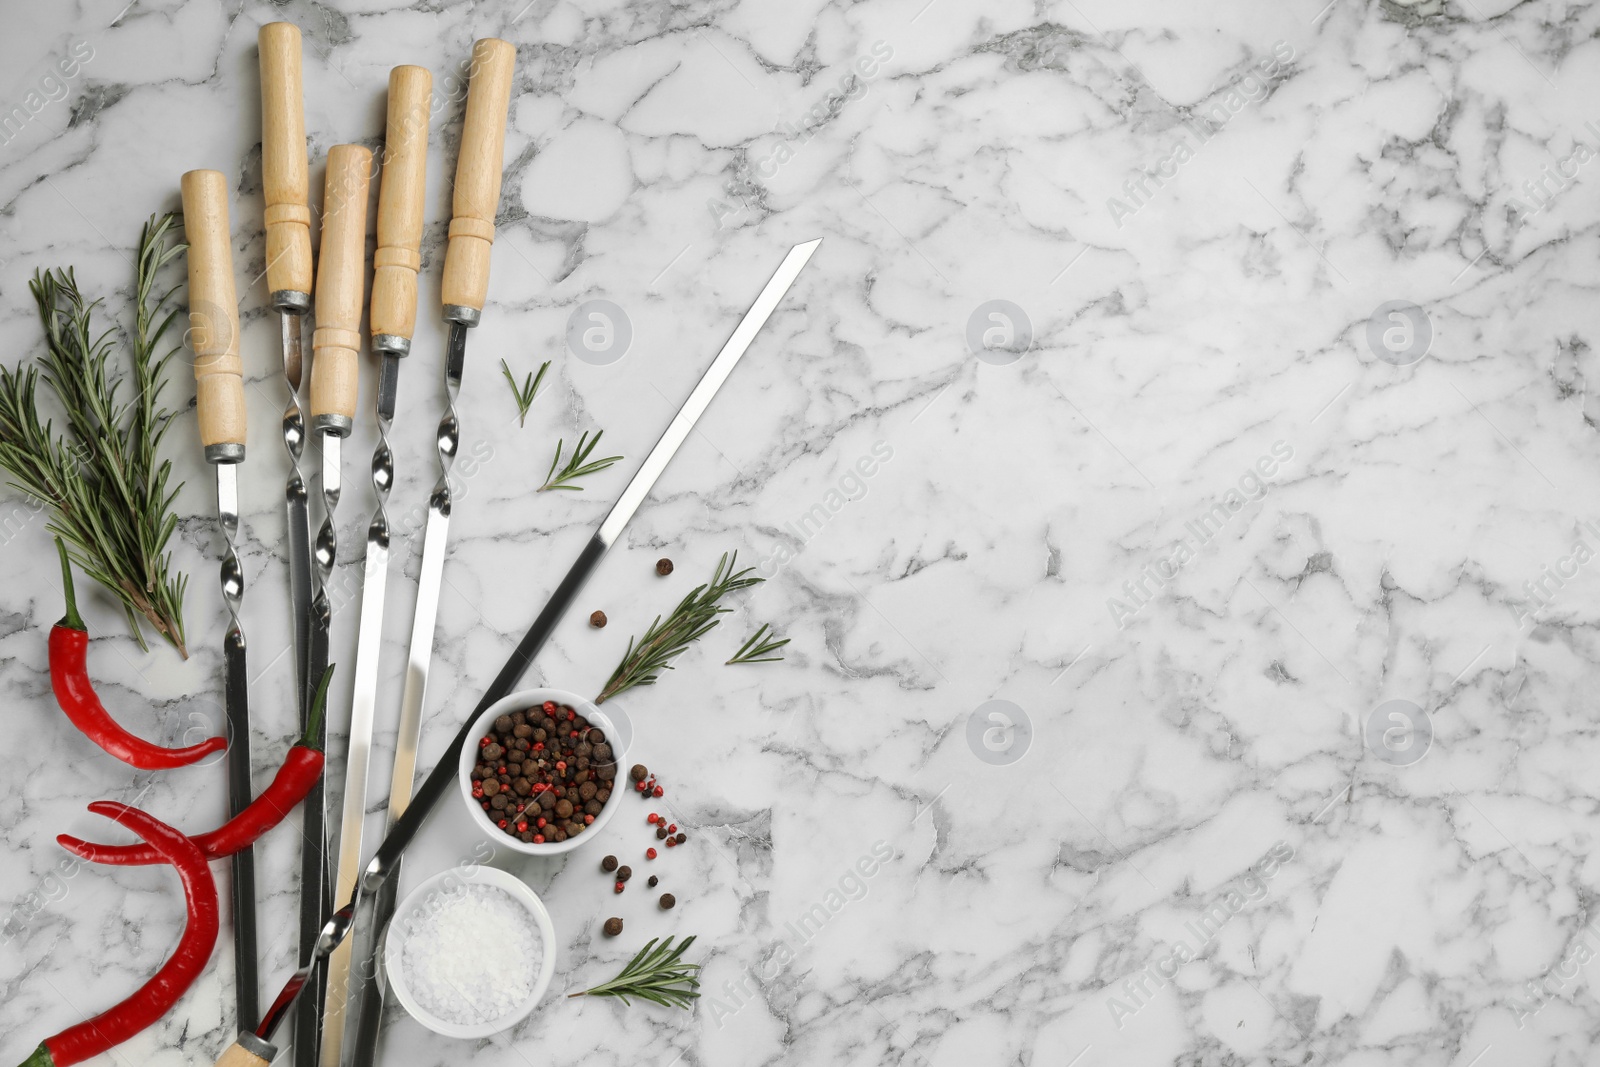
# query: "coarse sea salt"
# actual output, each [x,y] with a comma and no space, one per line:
[471,953]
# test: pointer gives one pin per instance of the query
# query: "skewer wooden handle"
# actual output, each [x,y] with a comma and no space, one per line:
[213,314]
[284,178]
[483,141]
[400,201]
[341,274]
[258,1054]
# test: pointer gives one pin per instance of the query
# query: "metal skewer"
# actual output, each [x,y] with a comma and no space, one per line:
[394,317]
[286,183]
[288,224]
[335,367]
[219,396]
[256,1049]
[394,310]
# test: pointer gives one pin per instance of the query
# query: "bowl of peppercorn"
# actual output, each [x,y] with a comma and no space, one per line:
[538,774]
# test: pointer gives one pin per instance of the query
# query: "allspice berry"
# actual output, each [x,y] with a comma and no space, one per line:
[624,873]
[639,772]
[597,620]
[608,864]
[663,566]
[668,901]
[613,926]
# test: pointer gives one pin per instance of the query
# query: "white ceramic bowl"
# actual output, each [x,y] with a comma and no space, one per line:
[520,702]
[400,929]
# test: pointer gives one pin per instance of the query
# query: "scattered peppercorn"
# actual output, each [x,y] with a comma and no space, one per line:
[661,833]
[663,566]
[597,620]
[639,772]
[649,853]
[608,864]
[613,927]
[653,881]
[681,837]
[617,888]
[624,873]
[668,901]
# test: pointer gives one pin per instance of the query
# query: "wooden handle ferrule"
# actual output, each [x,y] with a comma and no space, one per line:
[478,170]
[341,274]
[284,175]
[248,1051]
[213,312]
[398,257]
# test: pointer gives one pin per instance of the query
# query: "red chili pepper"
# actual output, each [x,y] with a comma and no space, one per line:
[69,677]
[300,771]
[153,999]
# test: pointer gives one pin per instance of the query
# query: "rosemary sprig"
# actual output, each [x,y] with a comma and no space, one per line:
[654,975]
[526,391]
[111,499]
[694,617]
[578,464]
[756,649]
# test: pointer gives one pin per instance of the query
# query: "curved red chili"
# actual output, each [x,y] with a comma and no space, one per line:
[69,677]
[300,770]
[153,999]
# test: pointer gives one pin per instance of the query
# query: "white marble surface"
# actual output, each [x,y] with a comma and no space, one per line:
[1205,743]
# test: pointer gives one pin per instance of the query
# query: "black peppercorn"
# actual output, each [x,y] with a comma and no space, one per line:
[652,882]
[608,864]
[661,833]
[681,838]
[613,927]
[668,901]
[624,873]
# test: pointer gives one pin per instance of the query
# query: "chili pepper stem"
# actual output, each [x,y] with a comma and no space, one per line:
[309,739]
[41,1058]
[71,620]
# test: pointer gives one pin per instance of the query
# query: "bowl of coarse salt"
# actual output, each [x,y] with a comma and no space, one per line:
[441,935]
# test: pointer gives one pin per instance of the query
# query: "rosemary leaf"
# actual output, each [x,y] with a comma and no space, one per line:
[525,392]
[756,650]
[694,617]
[578,464]
[110,494]
[656,975]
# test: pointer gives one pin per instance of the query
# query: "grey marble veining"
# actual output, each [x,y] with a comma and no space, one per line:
[1301,424]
